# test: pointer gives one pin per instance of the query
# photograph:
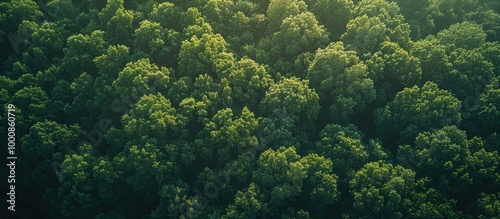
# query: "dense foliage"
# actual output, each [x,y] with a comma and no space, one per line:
[253,109]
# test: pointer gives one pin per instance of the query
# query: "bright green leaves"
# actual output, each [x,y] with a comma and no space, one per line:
[281,177]
[292,97]
[140,78]
[252,102]
[375,22]
[278,10]
[152,150]
[113,61]
[117,21]
[448,153]
[386,11]
[167,14]
[207,54]
[280,173]
[320,186]
[466,35]
[344,146]
[464,72]
[341,81]
[381,189]
[152,116]
[228,134]
[194,24]
[434,61]
[16,11]
[364,34]
[80,52]
[488,205]
[249,82]
[298,34]
[416,109]
[248,204]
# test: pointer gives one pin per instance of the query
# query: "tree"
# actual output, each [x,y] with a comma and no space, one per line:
[31,104]
[226,134]
[297,34]
[248,204]
[463,72]
[233,19]
[484,119]
[447,153]
[491,53]
[119,28]
[333,14]
[156,42]
[219,13]
[414,110]
[83,100]
[392,69]
[109,64]
[80,52]
[345,147]
[466,35]
[150,152]
[166,14]
[207,54]
[489,21]
[383,190]
[44,146]
[419,16]
[249,82]
[117,22]
[281,176]
[434,60]
[452,11]
[278,10]
[194,24]
[293,97]
[470,73]
[140,78]
[14,12]
[47,42]
[364,35]
[88,183]
[488,205]
[175,202]
[7,88]
[252,108]
[320,190]
[341,81]
[388,13]
[153,116]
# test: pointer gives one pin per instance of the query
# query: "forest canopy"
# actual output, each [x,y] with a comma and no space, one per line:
[251,109]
